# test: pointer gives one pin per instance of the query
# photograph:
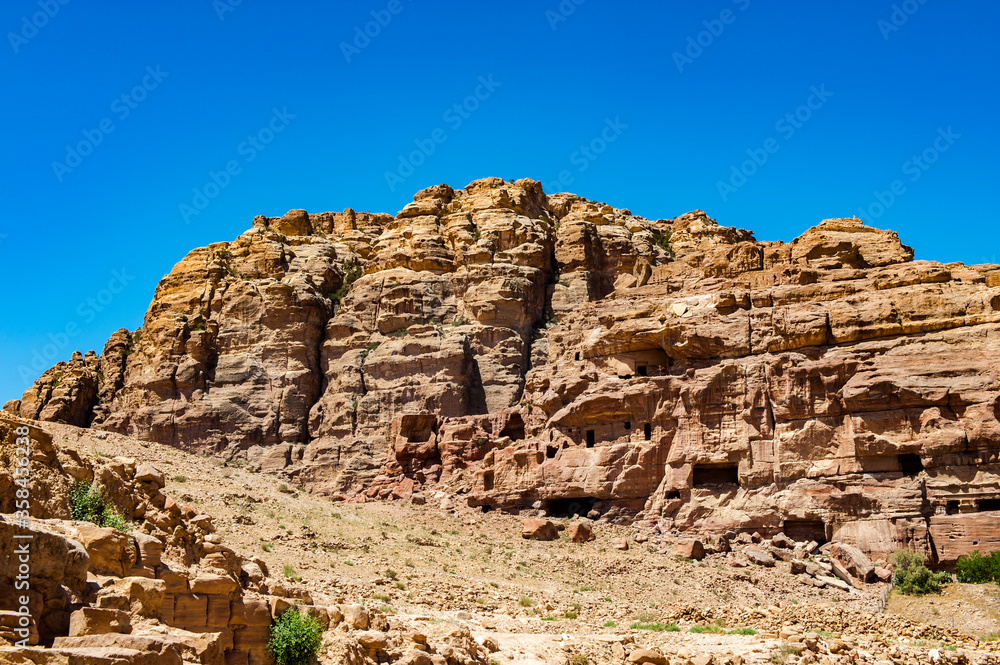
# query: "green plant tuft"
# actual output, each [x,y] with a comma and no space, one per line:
[975,568]
[913,577]
[89,503]
[295,639]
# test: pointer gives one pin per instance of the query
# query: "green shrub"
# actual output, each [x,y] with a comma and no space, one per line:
[295,639]
[658,627]
[89,503]
[974,568]
[526,602]
[351,271]
[913,577]
[663,240]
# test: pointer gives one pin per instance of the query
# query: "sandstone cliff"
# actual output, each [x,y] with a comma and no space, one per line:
[546,352]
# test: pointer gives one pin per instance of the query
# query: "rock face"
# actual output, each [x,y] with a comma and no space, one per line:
[523,348]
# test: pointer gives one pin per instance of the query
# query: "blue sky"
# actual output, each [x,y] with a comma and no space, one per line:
[768,115]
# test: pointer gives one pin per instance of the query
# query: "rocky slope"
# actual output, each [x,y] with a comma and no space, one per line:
[549,354]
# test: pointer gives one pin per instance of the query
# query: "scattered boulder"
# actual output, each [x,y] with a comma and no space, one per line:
[689,548]
[580,532]
[539,529]
[648,656]
[853,560]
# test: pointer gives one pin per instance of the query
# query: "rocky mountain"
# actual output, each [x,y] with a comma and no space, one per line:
[549,354]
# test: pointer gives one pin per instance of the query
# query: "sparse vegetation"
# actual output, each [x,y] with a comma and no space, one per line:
[267,547]
[351,271]
[656,626]
[180,479]
[913,577]
[976,568]
[295,639]
[289,572]
[662,240]
[526,602]
[783,653]
[89,503]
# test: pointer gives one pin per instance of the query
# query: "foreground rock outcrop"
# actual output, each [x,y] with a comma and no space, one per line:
[553,355]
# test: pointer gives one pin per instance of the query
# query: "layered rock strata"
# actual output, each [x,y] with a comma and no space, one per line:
[546,352]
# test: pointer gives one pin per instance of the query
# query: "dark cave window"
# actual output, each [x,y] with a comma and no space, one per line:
[910,465]
[673,494]
[951,507]
[805,530]
[988,504]
[647,431]
[514,428]
[577,357]
[716,474]
[628,425]
[550,451]
[568,507]
[591,439]
[641,370]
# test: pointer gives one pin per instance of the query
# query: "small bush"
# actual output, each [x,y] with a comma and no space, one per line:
[578,659]
[391,574]
[975,568]
[657,627]
[663,240]
[569,615]
[526,602]
[295,639]
[742,631]
[781,655]
[610,624]
[267,547]
[913,577]
[180,479]
[289,572]
[89,503]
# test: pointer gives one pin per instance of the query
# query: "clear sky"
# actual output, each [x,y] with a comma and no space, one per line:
[120,120]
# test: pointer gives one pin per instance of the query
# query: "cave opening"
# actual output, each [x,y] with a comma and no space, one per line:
[486,508]
[647,431]
[591,438]
[628,425]
[716,474]
[910,464]
[514,429]
[951,507]
[577,356]
[673,494]
[642,370]
[550,451]
[988,504]
[568,507]
[805,530]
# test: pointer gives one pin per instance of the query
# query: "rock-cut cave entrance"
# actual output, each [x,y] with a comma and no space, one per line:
[715,474]
[569,507]
[514,428]
[805,530]
[910,464]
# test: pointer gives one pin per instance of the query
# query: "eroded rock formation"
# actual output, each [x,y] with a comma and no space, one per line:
[560,355]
